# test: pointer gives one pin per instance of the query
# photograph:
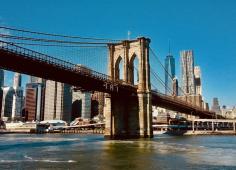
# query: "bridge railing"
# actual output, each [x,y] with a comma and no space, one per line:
[11,47]
[174,98]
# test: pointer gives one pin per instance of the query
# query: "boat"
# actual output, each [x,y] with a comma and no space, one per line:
[51,125]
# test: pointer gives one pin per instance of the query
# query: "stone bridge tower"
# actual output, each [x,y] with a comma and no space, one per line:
[129,116]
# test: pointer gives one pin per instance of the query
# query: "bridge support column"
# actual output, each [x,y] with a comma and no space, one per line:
[145,115]
[130,115]
[122,118]
[108,116]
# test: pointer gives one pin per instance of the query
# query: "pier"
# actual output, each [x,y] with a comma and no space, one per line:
[213,126]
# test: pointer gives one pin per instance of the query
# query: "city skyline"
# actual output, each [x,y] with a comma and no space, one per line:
[198,28]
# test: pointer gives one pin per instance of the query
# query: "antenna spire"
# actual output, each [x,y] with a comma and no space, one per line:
[169,46]
[129,33]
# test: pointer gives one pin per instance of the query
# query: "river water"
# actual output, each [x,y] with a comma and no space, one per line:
[73,151]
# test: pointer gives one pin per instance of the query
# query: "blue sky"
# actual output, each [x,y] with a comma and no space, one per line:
[206,26]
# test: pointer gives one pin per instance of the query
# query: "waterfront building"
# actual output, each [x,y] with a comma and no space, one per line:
[17,80]
[34,79]
[175,87]
[198,80]
[215,106]
[58,100]
[169,74]
[7,101]
[233,113]
[228,113]
[86,105]
[206,106]
[187,71]
[34,101]
[17,104]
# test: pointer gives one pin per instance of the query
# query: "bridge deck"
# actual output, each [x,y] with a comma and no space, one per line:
[16,58]
[29,62]
[172,103]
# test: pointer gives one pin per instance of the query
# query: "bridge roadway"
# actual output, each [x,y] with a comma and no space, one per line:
[19,59]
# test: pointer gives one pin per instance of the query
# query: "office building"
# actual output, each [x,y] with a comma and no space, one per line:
[17,80]
[34,101]
[34,79]
[169,74]
[7,101]
[17,104]
[187,71]
[58,101]
[175,87]
[198,80]
[215,106]
[206,106]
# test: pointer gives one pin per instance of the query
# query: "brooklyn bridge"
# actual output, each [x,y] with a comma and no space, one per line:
[129,97]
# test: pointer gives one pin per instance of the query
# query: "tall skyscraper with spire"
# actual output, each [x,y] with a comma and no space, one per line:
[187,71]
[170,73]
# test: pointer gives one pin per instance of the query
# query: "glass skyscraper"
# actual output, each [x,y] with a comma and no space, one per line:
[169,74]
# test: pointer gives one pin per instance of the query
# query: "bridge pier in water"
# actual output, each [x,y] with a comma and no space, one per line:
[129,115]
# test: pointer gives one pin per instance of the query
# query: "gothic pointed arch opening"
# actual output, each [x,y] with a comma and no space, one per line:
[134,70]
[119,69]
[76,109]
